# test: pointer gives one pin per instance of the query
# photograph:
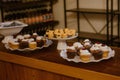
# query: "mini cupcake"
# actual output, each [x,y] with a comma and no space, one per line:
[14,45]
[20,38]
[87,44]
[24,44]
[96,52]
[78,45]
[32,45]
[71,52]
[34,35]
[39,41]
[85,55]
[105,50]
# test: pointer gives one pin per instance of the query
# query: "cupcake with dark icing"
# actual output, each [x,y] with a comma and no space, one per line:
[39,40]
[71,52]
[24,44]
[96,52]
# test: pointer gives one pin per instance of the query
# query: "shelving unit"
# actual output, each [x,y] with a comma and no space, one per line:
[38,14]
[109,20]
[117,40]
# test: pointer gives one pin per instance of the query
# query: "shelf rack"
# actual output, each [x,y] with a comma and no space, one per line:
[108,38]
[28,12]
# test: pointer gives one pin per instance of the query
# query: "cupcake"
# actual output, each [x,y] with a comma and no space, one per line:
[87,44]
[71,52]
[24,44]
[85,55]
[78,45]
[14,45]
[34,35]
[39,41]
[96,52]
[105,50]
[32,45]
[19,37]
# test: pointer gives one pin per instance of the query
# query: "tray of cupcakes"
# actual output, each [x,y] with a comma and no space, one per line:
[61,34]
[26,42]
[86,52]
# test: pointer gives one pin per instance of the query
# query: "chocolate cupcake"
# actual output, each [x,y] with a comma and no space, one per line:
[71,52]
[24,44]
[96,52]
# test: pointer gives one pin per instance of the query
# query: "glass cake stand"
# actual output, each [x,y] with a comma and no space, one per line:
[62,45]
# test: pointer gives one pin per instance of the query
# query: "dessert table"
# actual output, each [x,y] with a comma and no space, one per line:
[47,64]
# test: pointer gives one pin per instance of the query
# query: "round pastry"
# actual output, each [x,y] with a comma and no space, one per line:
[96,52]
[78,45]
[34,35]
[20,38]
[71,52]
[105,50]
[24,44]
[85,55]
[32,45]
[14,45]
[39,41]
[87,45]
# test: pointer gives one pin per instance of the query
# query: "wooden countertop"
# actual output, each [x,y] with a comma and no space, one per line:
[49,59]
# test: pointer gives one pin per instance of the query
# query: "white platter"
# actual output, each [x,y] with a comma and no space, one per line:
[77,59]
[49,42]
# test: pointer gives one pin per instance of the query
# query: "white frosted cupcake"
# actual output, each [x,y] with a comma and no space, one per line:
[78,45]
[85,55]
[32,45]
[105,50]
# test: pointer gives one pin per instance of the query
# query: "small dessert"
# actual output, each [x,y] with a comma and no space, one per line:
[105,50]
[24,44]
[34,35]
[85,55]
[39,41]
[72,31]
[96,52]
[19,37]
[71,52]
[64,35]
[14,45]
[32,45]
[87,44]
[78,45]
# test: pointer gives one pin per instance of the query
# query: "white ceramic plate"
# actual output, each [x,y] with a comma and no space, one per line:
[77,59]
[49,42]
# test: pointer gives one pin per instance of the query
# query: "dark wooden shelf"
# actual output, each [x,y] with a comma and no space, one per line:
[88,10]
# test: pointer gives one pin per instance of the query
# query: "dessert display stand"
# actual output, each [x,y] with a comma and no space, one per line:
[62,44]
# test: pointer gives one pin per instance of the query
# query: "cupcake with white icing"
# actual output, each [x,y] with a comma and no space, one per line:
[96,52]
[105,50]
[85,55]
